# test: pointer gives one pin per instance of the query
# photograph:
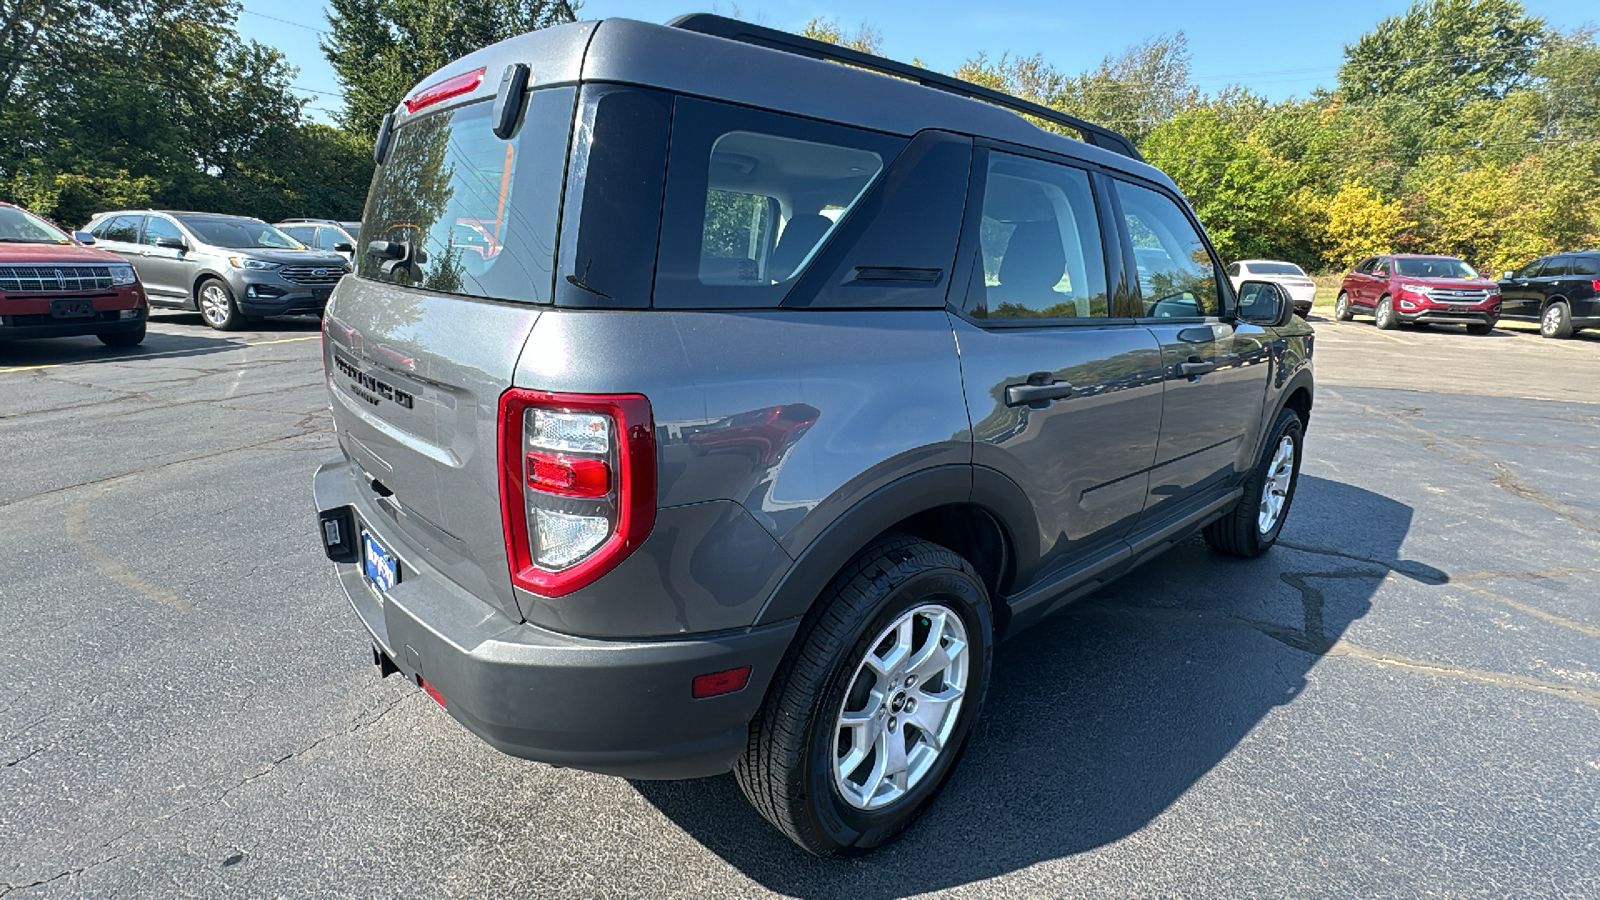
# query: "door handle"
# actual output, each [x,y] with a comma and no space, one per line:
[1200,335]
[1037,390]
[1195,367]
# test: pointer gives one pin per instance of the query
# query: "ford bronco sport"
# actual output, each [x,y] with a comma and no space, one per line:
[708,405]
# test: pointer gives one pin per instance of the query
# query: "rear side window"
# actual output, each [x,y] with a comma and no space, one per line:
[467,212]
[1585,267]
[119,228]
[1040,241]
[751,197]
[1177,278]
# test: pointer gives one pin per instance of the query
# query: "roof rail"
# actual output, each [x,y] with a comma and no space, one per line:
[771,38]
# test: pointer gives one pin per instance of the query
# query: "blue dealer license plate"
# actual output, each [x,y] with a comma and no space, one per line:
[383,570]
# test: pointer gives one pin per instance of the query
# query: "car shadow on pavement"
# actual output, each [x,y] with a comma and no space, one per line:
[1101,718]
[157,344]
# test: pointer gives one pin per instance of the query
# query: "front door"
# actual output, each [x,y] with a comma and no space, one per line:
[1214,366]
[1064,391]
[1519,294]
[164,270]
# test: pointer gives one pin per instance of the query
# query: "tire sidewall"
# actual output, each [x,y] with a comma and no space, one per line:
[856,829]
[1556,312]
[1384,316]
[1341,307]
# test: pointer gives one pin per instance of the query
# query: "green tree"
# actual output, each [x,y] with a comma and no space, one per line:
[1444,53]
[867,39]
[380,49]
[1355,223]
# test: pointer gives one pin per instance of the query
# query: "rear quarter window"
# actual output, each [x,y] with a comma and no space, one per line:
[751,197]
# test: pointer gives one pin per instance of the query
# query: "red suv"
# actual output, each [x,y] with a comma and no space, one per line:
[53,286]
[1405,289]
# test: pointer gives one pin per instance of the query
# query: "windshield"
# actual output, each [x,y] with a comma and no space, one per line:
[456,209]
[238,233]
[1274,268]
[1434,267]
[19,226]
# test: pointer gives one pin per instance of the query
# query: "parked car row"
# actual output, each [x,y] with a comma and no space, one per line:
[104,279]
[1561,292]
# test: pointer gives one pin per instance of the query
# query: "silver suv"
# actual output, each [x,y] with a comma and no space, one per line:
[705,405]
[230,268]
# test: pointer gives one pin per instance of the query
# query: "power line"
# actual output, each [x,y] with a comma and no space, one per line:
[251,12]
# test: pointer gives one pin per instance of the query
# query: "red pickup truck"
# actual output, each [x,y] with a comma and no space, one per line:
[52,285]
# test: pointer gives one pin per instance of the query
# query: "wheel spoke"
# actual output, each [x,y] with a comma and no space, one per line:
[888,665]
[930,714]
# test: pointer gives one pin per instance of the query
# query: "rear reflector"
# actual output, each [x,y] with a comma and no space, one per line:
[716,684]
[444,90]
[432,692]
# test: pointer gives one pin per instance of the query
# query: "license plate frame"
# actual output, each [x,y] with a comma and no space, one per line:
[72,308]
[381,568]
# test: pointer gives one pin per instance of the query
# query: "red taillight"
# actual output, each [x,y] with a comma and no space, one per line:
[716,684]
[444,90]
[1596,284]
[577,500]
[568,477]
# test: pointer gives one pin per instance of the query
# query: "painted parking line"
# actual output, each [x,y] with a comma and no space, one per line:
[1355,328]
[168,355]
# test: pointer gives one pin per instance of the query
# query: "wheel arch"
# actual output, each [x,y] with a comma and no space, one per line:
[973,510]
[201,278]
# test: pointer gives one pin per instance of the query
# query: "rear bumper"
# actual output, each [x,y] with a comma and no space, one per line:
[618,707]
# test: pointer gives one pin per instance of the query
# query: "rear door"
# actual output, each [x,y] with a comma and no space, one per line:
[420,347]
[1062,386]
[1212,363]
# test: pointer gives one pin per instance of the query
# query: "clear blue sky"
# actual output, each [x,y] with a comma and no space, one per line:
[1274,48]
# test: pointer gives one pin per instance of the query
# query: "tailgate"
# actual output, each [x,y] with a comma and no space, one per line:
[415,380]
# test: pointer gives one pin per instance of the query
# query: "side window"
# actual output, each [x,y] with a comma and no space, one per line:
[301,233]
[1559,267]
[1365,266]
[1177,278]
[1531,270]
[326,238]
[1586,267]
[155,228]
[1234,270]
[1380,267]
[119,228]
[751,196]
[1040,242]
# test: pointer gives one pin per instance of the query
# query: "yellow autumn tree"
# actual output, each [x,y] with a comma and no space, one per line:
[1355,223]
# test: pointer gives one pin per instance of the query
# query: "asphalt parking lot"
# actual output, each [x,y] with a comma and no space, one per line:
[1402,699]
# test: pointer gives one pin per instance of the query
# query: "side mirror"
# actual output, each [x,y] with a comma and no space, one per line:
[1507,275]
[172,243]
[344,247]
[1265,303]
[84,238]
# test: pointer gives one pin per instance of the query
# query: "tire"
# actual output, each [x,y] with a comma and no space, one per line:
[1556,321]
[217,307]
[1384,318]
[898,587]
[1480,330]
[124,338]
[1247,530]
[1341,308]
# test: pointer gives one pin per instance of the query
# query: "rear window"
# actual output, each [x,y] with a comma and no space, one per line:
[1274,268]
[239,233]
[482,211]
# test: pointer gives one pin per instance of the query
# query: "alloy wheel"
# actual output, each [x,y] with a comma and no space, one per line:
[215,305]
[903,704]
[1275,492]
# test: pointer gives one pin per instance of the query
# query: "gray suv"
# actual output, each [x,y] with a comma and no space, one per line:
[705,405]
[229,268]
